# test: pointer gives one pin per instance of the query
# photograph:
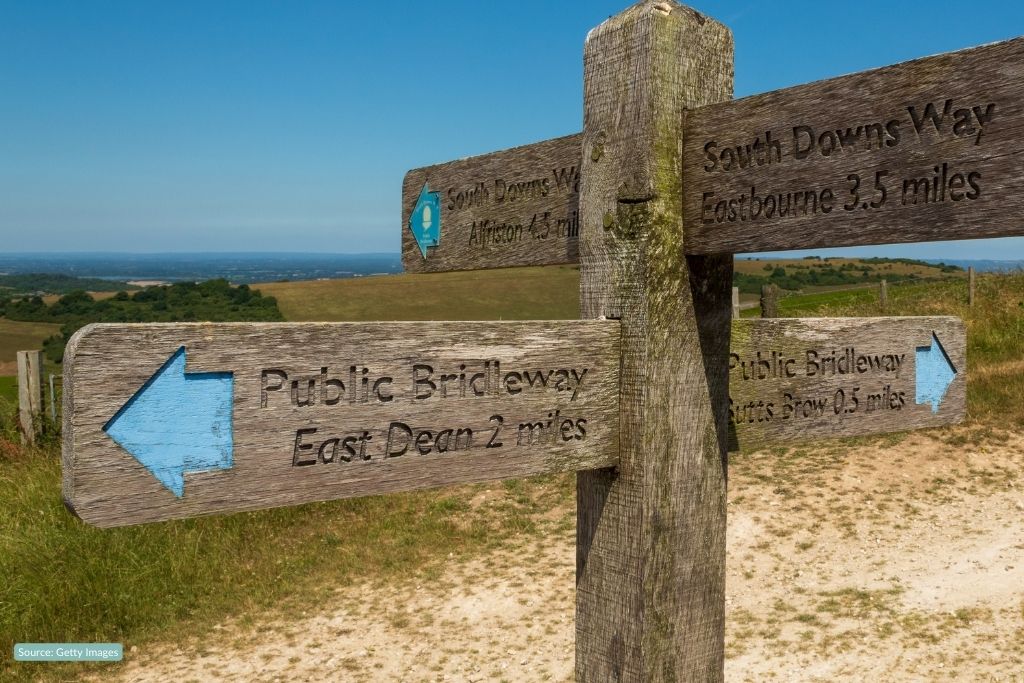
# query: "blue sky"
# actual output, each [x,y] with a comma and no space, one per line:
[287,126]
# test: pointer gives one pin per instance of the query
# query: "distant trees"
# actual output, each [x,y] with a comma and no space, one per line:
[213,301]
[20,284]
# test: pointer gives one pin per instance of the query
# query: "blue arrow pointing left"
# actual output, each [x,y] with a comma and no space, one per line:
[178,423]
[425,221]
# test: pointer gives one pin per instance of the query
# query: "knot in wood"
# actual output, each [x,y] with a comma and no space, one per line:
[597,146]
[632,211]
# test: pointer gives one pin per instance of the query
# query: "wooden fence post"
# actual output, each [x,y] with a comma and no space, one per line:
[769,301]
[970,285]
[735,302]
[883,294]
[30,393]
[650,563]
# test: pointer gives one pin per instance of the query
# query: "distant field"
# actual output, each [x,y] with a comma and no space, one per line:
[20,336]
[98,296]
[763,265]
[528,293]
[508,294]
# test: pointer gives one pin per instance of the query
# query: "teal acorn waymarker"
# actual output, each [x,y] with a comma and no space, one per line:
[425,221]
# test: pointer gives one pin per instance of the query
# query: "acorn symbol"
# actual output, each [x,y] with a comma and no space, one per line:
[428,218]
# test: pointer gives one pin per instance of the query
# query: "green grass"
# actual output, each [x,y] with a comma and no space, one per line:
[810,304]
[9,389]
[66,581]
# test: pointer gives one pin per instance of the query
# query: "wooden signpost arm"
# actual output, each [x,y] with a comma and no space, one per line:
[651,533]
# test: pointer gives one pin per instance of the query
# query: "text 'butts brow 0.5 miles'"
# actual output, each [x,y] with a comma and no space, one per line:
[793,379]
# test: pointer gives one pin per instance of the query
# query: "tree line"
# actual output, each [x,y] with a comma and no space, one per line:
[210,301]
[824,274]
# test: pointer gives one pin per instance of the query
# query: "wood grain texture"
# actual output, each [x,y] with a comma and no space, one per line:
[785,387]
[517,207]
[106,364]
[30,393]
[769,301]
[651,534]
[969,144]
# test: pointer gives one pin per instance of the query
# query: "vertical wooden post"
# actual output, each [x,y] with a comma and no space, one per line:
[883,294]
[650,563]
[970,285]
[735,302]
[30,393]
[769,301]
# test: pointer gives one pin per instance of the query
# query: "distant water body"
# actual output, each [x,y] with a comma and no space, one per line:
[238,268]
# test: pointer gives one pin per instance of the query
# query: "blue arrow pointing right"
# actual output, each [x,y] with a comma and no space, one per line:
[177,423]
[934,373]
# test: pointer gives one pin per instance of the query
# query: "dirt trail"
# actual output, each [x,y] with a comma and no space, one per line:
[889,561]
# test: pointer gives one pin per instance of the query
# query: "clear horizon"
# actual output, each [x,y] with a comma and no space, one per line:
[839,252]
[187,128]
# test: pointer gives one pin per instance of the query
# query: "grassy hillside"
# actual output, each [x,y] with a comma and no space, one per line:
[813,274]
[550,293]
[65,581]
[898,268]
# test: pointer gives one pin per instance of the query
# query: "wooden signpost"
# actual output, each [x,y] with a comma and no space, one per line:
[184,420]
[925,150]
[515,207]
[802,378]
[667,180]
[920,151]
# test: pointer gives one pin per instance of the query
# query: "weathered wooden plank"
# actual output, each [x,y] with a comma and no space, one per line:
[381,385]
[650,567]
[517,207]
[931,146]
[793,379]
[30,393]
[925,150]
